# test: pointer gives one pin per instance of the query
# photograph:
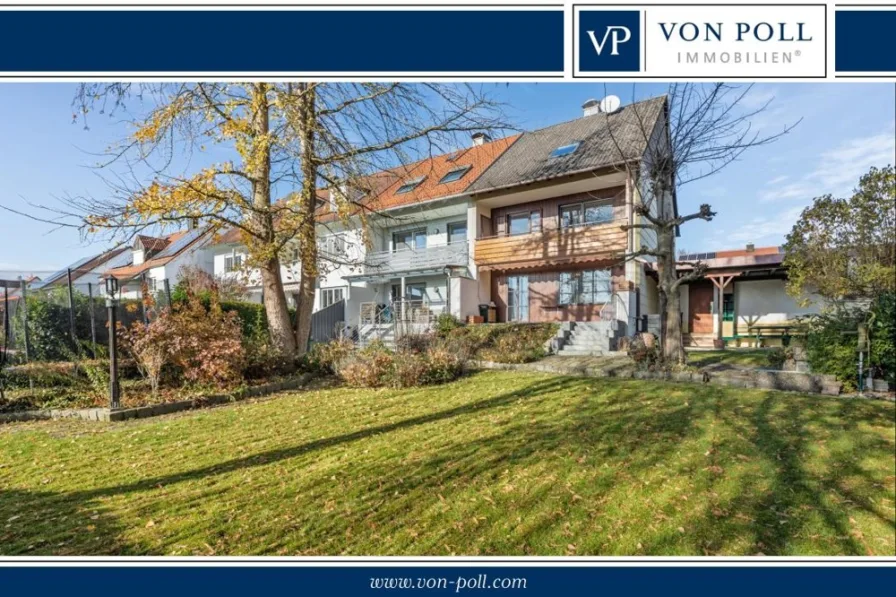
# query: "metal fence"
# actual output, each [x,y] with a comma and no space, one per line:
[61,322]
[328,323]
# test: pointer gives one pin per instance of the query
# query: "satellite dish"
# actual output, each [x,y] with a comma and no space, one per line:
[610,104]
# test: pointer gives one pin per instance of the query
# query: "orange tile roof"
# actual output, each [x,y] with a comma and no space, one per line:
[478,158]
[381,188]
[128,272]
[384,185]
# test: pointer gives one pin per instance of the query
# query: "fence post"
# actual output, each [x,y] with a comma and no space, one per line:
[143,298]
[71,310]
[25,320]
[92,317]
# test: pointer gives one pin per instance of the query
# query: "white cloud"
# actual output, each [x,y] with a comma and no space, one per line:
[762,230]
[837,170]
[777,180]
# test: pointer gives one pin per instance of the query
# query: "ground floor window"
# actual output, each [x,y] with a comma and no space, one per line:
[412,292]
[331,296]
[586,287]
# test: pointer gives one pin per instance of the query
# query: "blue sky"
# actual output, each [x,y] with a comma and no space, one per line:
[846,129]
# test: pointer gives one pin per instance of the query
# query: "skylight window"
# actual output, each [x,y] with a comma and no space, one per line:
[409,185]
[455,174]
[565,150]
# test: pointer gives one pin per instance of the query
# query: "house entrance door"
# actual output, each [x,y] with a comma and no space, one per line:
[700,307]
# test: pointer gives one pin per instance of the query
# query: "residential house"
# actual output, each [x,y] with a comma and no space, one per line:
[154,260]
[549,214]
[415,252]
[86,274]
[229,255]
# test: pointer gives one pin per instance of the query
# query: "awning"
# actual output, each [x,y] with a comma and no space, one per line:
[549,264]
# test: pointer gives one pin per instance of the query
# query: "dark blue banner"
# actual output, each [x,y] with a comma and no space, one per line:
[287,41]
[517,580]
[864,41]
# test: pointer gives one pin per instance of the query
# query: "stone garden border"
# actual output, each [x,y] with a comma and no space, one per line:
[767,379]
[154,410]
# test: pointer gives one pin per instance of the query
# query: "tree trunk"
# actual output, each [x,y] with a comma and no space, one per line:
[306,234]
[276,308]
[670,302]
[275,305]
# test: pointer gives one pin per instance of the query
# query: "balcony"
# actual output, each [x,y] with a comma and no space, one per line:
[391,264]
[552,246]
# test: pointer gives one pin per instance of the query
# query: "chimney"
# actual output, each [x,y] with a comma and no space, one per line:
[591,107]
[750,247]
[480,138]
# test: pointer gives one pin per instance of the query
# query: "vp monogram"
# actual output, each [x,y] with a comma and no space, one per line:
[617,35]
[609,40]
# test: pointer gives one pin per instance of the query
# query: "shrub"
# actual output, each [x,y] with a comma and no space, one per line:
[378,366]
[446,323]
[370,367]
[193,280]
[643,352]
[506,342]
[445,362]
[413,342]
[149,346]
[409,369]
[204,344]
[324,356]
[776,358]
[831,340]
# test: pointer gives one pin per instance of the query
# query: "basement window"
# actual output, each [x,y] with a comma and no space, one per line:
[565,150]
[410,185]
[455,174]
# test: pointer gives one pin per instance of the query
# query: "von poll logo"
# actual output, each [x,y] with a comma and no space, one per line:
[745,41]
[610,40]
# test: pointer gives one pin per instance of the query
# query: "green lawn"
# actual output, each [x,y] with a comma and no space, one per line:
[738,358]
[496,463]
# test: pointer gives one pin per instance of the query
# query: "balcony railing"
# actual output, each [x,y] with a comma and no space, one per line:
[409,311]
[405,260]
[552,245]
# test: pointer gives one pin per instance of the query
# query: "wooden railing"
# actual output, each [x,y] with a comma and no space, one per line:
[553,245]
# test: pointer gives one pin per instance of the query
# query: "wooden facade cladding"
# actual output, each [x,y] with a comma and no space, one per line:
[553,245]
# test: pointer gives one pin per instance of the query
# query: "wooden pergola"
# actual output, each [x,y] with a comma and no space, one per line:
[721,281]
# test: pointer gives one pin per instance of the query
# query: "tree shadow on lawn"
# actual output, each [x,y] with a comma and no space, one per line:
[635,428]
[36,522]
[795,502]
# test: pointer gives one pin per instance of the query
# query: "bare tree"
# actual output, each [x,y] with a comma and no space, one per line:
[709,127]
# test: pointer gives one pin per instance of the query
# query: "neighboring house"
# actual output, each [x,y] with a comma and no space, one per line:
[755,306]
[228,256]
[86,273]
[156,259]
[417,245]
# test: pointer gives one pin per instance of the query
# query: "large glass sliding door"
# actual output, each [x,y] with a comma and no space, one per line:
[518,298]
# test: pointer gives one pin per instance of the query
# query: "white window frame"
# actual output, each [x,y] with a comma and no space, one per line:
[331,296]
